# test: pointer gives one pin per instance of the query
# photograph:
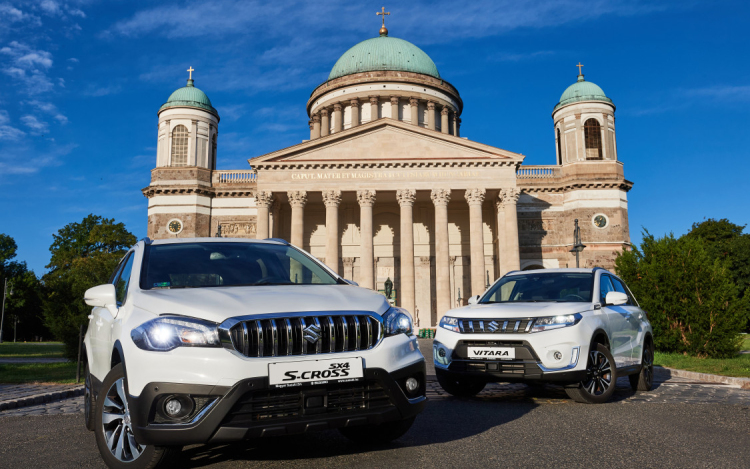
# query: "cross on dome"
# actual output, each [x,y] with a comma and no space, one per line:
[580,66]
[383,13]
[190,70]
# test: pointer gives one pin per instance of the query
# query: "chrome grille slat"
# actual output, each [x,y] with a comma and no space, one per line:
[496,326]
[283,335]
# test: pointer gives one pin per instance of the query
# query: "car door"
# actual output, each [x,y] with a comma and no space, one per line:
[617,318]
[634,321]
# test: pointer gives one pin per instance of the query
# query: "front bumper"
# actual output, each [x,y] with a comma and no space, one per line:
[250,409]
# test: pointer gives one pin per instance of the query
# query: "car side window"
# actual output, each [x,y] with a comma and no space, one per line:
[620,287]
[605,286]
[123,280]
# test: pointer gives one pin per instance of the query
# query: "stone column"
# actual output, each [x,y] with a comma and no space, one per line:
[431,115]
[355,112]
[275,218]
[366,200]
[297,199]
[348,268]
[332,199]
[394,107]
[512,254]
[414,110]
[441,197]
[324,124]
[580,140]
[475,198]
[406,198]
[455,124]
[374,108]
[310,123]
[444,119]
[316,126]
[263,201]
[338,119]
[501,257]
[193,156]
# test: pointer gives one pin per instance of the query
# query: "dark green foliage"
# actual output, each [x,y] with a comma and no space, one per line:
[689,294]
[83,255]
[24,304]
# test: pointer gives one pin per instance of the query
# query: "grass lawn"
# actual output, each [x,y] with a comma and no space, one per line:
[746,342]
[31,350]
[38,373]
[738,367]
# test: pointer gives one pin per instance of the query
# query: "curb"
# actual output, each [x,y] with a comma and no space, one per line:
[41,399]
[743,383]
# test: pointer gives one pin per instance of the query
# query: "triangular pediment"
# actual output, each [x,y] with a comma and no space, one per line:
[386,140]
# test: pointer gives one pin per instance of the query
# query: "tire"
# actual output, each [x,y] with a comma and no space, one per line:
[377,434]
[644,380]
[459,387]
[127,453]
[599,385]
[89,401]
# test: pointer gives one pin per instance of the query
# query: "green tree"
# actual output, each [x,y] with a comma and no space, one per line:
[24,304]
[83,255]
[691,299]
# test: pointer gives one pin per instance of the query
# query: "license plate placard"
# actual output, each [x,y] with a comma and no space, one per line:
[311,372]
[492,353]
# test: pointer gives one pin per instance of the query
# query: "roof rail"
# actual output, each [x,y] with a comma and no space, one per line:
[599,268]
[147,240]
[279,240]
[511,272]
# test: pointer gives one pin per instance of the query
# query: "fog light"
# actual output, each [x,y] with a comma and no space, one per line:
[412,385]
[173,407]
[441,352]
[558,356]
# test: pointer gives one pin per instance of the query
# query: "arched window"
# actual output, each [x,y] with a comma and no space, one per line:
[592,133]
[559,147]
[180,146]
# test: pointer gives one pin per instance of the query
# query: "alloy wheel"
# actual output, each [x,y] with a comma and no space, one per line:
[599,372]
[116,423]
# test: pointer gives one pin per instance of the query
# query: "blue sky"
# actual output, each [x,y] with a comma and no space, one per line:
[81,81]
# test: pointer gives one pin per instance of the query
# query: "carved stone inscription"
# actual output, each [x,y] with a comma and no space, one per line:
[406,175]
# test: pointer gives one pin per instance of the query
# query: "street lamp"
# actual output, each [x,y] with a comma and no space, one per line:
[6,293]
[459,299]
[578,246]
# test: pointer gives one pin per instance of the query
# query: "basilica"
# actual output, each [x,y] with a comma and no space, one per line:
[387,193]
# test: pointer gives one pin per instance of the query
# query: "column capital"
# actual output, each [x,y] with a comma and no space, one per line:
[264,199]
[406,196]
[475,196]
[316,117]
[440,196]
[324,112]
[509,196]
[194,121]
[332,198]
[445,111]
[354,103]
[394,99]
[366,198]
[337,107]
[310,123]
[414,101]
[348,261]
[431,105]
[374,99]
[297,198]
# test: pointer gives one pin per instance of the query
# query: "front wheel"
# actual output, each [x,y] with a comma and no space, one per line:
[601,376]
[114,434]
[644,380]
[459,387]
[378,434]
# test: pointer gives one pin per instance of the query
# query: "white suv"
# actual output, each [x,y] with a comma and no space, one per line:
[211,340]
[581,328]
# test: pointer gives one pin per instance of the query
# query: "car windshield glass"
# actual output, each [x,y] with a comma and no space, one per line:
[192,265]
[541,287]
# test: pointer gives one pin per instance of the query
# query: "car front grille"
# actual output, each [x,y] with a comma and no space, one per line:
[496,326]
[337,398]
[302,335]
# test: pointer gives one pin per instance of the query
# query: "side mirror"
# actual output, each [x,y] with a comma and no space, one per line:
[615,298]
[102,296]
[474,299]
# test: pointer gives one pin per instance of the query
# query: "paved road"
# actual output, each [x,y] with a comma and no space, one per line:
[678,424]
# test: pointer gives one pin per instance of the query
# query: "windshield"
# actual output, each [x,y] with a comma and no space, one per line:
[192,265]
[541,287]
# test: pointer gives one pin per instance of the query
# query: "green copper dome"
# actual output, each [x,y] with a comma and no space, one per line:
[189,96]
[384,53]
[582,90]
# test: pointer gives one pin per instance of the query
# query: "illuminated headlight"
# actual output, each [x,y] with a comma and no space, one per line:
[555,322]
[169,332]
[397,321]
[449,323]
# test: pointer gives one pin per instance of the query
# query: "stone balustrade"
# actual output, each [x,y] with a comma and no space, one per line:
[539,172]
[235,177]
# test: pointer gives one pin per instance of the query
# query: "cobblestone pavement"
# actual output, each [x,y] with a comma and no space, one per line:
[71,405]
[14,396]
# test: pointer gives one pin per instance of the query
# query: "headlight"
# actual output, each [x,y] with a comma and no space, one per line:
[555,322]
[397,321]
[449,323]
[169,332]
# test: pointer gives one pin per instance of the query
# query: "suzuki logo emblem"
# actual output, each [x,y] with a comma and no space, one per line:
[311,333]
[493,326]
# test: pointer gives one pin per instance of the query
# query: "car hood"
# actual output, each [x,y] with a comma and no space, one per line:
[219,303]
[518,310]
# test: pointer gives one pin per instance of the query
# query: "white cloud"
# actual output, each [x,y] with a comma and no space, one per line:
[727,93]
[11,14]
[98,91]
[48,108]
[26,160]
[8,132]
[50,7]
[29,66]
[36,126]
